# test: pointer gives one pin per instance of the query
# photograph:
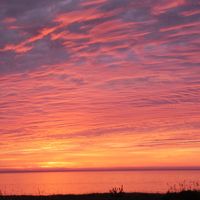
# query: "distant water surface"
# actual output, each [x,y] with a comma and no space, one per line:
[42,183]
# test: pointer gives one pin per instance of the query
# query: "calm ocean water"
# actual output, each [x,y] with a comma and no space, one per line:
[89,182]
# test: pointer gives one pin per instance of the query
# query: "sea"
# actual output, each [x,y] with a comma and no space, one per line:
[48,183]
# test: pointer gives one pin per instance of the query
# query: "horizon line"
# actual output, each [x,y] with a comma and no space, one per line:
[103,169]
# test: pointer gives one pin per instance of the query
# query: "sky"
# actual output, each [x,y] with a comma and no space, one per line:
[99,83]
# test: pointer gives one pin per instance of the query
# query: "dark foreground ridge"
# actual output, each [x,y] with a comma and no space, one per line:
[185,195]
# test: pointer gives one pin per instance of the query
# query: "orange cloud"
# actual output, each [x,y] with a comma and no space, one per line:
[164,6]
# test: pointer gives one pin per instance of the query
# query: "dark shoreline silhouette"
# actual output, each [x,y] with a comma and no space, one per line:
[185,195]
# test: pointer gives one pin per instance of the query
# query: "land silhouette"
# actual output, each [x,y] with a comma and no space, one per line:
[185,195]
[117,193]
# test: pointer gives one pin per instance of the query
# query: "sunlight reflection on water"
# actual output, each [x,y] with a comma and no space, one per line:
[89,182]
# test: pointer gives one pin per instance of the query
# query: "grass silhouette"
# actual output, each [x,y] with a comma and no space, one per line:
[182,191]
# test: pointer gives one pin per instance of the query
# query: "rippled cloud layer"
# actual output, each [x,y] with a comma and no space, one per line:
[99,83]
